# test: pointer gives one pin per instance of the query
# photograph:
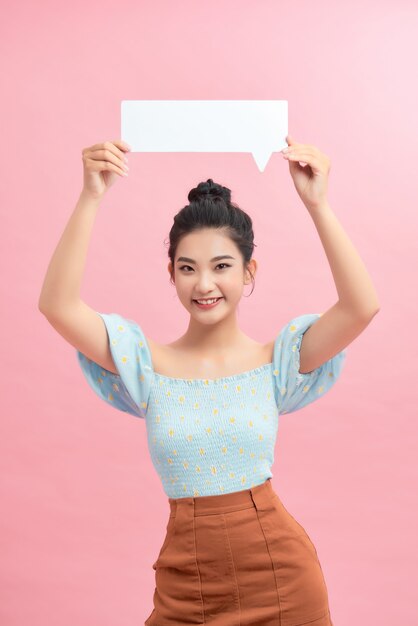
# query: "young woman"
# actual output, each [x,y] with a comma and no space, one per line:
[211,399]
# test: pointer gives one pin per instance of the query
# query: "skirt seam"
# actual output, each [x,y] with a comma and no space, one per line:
[198,573]
[272,565]
[233,567]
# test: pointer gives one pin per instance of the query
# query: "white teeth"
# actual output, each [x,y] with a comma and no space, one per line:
[207,301]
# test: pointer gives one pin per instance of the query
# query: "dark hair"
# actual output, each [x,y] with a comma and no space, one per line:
[211,207]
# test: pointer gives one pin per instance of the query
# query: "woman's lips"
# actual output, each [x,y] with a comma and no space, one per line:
[207,306]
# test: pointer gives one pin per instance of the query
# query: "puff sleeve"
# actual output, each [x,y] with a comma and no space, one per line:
[294,390]
[128,390]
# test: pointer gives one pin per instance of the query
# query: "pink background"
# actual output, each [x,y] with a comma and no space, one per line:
[83,512]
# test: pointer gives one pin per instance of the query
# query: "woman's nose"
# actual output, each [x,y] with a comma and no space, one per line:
[205,283]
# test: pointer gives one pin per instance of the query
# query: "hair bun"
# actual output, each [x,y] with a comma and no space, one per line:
[209,189]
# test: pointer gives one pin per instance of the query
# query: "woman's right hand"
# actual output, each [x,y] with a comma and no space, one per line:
[102,163]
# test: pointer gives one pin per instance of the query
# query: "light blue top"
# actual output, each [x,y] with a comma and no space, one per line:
[209,436]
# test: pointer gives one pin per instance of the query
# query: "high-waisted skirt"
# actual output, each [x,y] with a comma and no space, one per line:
[237,559]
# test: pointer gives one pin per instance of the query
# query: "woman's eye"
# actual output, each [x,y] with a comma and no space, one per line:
[219,264]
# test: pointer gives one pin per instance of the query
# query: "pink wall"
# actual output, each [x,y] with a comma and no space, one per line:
[83,511]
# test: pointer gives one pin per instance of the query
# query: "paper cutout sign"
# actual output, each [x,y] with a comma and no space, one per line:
[256,126]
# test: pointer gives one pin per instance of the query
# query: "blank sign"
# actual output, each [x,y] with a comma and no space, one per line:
[256,126]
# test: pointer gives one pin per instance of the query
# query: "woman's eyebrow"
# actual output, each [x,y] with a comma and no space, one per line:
[185,259]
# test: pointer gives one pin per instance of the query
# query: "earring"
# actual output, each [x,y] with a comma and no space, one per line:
[246,296]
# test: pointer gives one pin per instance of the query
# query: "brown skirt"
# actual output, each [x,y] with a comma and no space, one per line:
[237,559]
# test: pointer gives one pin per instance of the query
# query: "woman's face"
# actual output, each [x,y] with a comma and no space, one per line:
[199,275]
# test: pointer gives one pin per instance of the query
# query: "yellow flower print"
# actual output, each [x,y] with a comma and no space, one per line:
[215,411]
[231,475]
[306,388]
[243,480]
[181,399]
[238,387]
[170,461]
[224,449]
[198,468]
[186,464]
[196,405]
[320,389]
[202,451]
[189,437]
[250,424]
[124,359]
[171,432]
[292,328]
[276,372]
[208,430]
[241,450]
[110,397]
[213,469]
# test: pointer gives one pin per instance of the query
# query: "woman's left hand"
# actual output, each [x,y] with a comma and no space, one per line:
[311,181]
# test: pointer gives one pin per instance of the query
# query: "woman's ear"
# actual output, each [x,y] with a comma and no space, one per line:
[251,267]
[170,269]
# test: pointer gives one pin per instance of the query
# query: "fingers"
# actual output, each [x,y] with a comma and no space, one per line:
[108,151]
[307,154]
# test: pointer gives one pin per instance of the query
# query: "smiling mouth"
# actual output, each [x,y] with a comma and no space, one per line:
[209,300]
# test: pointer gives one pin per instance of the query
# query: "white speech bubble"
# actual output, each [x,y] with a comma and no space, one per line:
[256,126]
